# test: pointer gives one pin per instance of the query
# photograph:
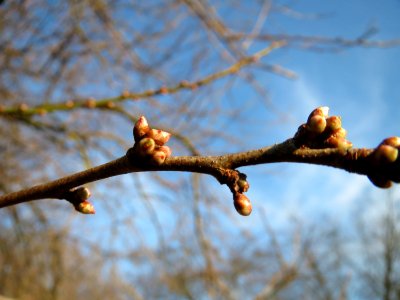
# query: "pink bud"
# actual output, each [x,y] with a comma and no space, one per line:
[165,149]
[316,124]
[159,136]
[380,181]
[393,141]
[385,154]
[141,128]
[158,157]
[333,123]
[85,207]
[146,146]
[242,204]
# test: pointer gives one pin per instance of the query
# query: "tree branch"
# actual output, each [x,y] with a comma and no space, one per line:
[311,144]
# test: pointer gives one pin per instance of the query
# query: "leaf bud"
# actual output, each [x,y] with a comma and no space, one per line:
[385,154]
[81,193]
[165,149]
[339,133]
[158,157]
[85,207]
[321,111]
[333,123]
[242,204]
[393,141]
[159,136]
[316,124]
[243,185]
[338,142]
[146,146]
[141,128]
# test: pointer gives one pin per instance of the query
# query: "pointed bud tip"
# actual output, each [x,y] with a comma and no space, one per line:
[85,207]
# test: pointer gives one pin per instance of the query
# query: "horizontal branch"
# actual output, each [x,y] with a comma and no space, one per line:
[320,141]
[353,160]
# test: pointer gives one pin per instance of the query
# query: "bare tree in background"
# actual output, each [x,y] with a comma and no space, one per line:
[74,76]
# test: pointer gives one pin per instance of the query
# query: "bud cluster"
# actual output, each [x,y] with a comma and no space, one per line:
[322,131]
[149,142]
[78,198]
[242,204]
[385,157]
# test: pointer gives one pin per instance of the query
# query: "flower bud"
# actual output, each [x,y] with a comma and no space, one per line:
[85,207]
[385,154]
[380,181]
[141,128]
[333,123]
[81,193]
[165,149]
[146,146]
[393,141]
[316,124]
[321,111]
[159,136]
[338,142]
[242,204]
[158,157]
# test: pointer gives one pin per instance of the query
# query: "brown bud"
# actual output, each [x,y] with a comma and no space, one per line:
[242,204]
[81,193]
[316,124]
[393,141]
[146,146]
[243,185]
[90,103]
[385,154]
[333,123]
[380,181]
[141,128]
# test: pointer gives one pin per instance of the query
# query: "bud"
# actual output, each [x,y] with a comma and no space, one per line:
[81,193]
[243,185]
[141,128]
[316,124]
[321,111]
[90,103]
[85,207]
[159,136]
[338,142]
[242,204]
[146,146]
[380,181]
[339,133]
[393,141]
[158,157]
[165,149]
[333,123]
[385,154]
